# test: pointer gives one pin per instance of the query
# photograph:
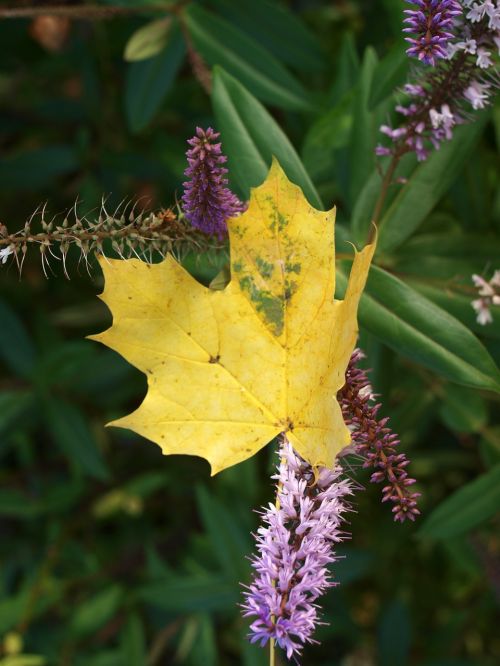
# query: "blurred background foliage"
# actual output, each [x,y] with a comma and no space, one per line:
[112,555]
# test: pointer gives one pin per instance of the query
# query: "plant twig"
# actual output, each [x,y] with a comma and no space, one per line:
[128,232]
[89,12]
[384,190]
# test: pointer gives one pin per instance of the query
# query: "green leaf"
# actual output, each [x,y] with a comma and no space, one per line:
[390,72]
[394,634]
[148,40]
[64,363]
[428,183]
[90,616]
[220,43]
[204,648]
[252,137]
[14,405]
[329,133]
[230,544]
[347,69]
[23,660]
[36,169]
[446,255]
[133,642]
[18,505]
[15,505]
[394,9]
[148,81]
[16,349]
[72,435]
[191,594]
[415,327]
[459,305]
[353,564]
[463,409]
[466,508]
[361,152]
[277,29]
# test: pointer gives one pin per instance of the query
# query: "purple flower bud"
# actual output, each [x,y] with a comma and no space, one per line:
[295,546]
[375,442]
[207,202]
[431,24]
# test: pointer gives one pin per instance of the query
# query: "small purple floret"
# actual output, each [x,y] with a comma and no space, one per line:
[207,202]
[431,24]
[295,547]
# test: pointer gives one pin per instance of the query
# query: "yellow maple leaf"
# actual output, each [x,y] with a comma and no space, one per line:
[229,370]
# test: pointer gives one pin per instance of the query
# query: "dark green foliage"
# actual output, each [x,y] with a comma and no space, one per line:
[110,553]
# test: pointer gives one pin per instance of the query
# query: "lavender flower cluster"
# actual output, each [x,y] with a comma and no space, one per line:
[489,295]
[375,442]
[459,40]
[295,547]
[432,23]
[207,202]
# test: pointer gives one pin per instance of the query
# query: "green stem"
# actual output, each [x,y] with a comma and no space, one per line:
[272,653]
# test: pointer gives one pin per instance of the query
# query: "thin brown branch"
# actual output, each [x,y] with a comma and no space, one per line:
[87,12]
[199,67]
[386,183]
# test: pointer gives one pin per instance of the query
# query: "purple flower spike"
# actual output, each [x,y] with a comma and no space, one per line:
[207,202]
[374,441]
[295,546]
[431,23]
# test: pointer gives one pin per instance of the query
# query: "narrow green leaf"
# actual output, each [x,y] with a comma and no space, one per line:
[390,72]
[148,81]
[191,594]
[230,544]
[64,363]
[361,153]
[459,305]
[14,405]
[394,635]
[277,29]
[221,43]
[252,137]
[204,650]
[467,508]
[347,69]
[449,255]
[463,409]
[133,642]
[93,613]
[329,133]
[16,349]
[73,436]
[36,169]
[394,9]
[415,327]
[429,182]
[148,40]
